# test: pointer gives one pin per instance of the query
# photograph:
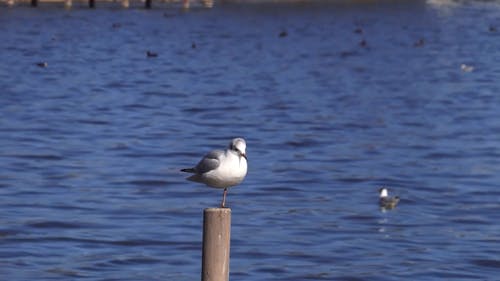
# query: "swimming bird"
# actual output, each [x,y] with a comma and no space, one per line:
[466,68]
[385,201]
[419,43]
[42,64]
[150,54]
[283,33]
[222,168]
[358,30]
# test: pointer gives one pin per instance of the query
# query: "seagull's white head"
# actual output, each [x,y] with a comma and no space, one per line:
[383,192]
[239,146]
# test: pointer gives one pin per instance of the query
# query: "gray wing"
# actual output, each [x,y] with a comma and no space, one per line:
[209,162]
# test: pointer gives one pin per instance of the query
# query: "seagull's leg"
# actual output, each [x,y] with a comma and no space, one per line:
[223,205]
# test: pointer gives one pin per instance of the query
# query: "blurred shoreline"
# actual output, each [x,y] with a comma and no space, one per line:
[221,2]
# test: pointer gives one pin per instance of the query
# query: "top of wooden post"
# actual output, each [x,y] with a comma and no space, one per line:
[218,210]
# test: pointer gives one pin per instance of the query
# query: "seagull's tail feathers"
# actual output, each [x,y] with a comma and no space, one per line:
[188,170]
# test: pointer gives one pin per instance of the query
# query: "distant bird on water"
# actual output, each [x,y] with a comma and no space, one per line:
[150,54]
[42,64]
[358,30]
[385,201]
[222,168]
[419,43]
[466,68]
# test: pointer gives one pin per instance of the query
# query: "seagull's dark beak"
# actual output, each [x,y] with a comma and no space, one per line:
[244,156]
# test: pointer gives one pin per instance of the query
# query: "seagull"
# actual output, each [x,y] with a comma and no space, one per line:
[222,169]
[466,68]
[386,202]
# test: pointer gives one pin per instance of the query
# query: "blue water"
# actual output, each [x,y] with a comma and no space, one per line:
[92,144]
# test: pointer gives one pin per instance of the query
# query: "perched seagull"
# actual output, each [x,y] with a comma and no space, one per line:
[385,201]
[222,169]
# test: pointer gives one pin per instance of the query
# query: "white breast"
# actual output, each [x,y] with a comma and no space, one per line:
[231,172]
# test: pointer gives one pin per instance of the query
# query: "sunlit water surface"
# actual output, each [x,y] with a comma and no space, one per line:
[347,99]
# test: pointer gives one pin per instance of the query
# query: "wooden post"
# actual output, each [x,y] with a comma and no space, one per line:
[216,241]
[185,4]
[125,3]
[91,3]
[34,3]
[148,4]
[68,4]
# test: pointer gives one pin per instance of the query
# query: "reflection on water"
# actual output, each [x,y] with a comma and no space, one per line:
[352,98]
